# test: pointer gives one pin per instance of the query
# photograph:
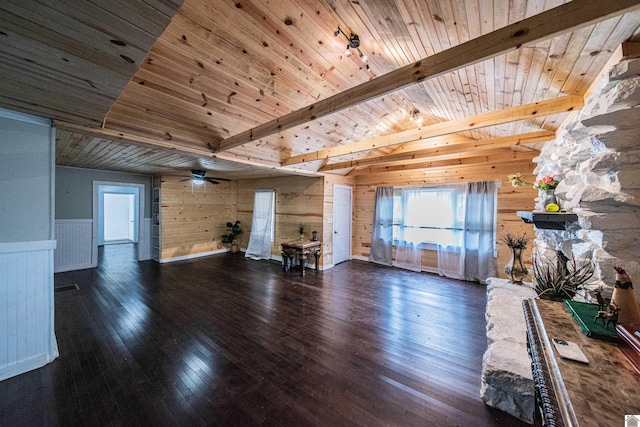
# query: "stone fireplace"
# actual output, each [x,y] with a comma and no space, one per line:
[597,156]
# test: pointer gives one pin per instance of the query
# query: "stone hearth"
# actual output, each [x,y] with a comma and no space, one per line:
[507,382]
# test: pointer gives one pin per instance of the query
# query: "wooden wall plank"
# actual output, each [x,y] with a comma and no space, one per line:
[194,217]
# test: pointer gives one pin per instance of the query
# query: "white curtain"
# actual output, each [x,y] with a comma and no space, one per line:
[382,232]
[261,226]
[451,256]
[479,231]
[471,257]
[408,254]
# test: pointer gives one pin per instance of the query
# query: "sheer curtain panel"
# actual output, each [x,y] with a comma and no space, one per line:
[472,256]
[451,254]
[382,233]
[408,253]
[479,231]
[261,226]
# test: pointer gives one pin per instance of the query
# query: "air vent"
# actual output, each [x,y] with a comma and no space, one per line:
[65,288]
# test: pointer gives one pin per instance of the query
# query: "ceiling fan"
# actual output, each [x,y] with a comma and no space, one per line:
[198,178]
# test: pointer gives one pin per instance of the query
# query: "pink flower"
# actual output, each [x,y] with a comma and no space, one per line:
[548,182]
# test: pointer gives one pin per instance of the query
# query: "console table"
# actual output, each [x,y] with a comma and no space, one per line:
[300,249]
[569,393]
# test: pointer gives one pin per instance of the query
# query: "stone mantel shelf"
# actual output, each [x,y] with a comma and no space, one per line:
[548,220]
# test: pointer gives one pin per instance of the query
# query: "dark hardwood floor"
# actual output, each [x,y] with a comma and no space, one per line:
[228,341]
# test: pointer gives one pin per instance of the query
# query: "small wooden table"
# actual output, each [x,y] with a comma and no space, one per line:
[300,249]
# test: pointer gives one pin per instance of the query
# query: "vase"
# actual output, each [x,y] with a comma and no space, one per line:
[625,300]
[515,269]
[549,197]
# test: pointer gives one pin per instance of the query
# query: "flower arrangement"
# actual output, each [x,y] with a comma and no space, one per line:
[517,181]
[548,182]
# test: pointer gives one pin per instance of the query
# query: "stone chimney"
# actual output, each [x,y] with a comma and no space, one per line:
[597,156]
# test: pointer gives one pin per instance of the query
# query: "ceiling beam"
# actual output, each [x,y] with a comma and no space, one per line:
[121,136]
[141,140]
[490,159]
[506,115]
[443,147]
[561,19]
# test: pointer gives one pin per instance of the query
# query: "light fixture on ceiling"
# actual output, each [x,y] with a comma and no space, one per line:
[197,181]
[414,116]
[353,42]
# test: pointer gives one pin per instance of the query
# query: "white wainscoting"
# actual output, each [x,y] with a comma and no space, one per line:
[73,251]
[144,241]
[27,337]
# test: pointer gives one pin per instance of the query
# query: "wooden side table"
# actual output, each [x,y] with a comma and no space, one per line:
[300,249]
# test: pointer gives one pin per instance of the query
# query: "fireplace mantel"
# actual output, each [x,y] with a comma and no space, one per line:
[548,220]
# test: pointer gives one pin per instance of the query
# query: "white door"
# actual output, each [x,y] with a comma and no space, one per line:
[341,223]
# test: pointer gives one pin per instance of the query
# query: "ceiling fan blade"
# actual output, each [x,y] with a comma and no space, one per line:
[211,180]
[220,179]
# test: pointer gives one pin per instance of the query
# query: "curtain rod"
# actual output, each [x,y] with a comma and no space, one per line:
[497,181]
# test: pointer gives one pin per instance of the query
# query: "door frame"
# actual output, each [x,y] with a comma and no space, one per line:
[333,238]
[141,206]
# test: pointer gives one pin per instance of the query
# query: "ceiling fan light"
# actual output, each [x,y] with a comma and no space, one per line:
[197,181]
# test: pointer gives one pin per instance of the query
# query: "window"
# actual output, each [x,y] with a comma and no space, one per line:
[429,215]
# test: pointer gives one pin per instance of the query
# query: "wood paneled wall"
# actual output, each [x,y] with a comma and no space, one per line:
[510,200]
[193,222]
[194,218]
[299,200]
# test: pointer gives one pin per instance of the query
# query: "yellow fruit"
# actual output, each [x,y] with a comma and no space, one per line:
[552,207]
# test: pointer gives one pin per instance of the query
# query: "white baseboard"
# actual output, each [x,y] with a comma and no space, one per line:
[73,268]
[194,256]
[26,365]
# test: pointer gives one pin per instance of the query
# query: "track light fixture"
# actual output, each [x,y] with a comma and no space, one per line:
[414,116]
[353,42]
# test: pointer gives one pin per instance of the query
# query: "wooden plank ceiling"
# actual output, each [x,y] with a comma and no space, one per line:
[227,85]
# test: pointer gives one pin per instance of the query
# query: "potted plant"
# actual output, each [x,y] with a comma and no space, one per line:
[232,237]
[301,231]
[561,279]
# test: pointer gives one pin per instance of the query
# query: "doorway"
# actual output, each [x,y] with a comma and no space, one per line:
[118,217]
[119,223]
[341,223]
